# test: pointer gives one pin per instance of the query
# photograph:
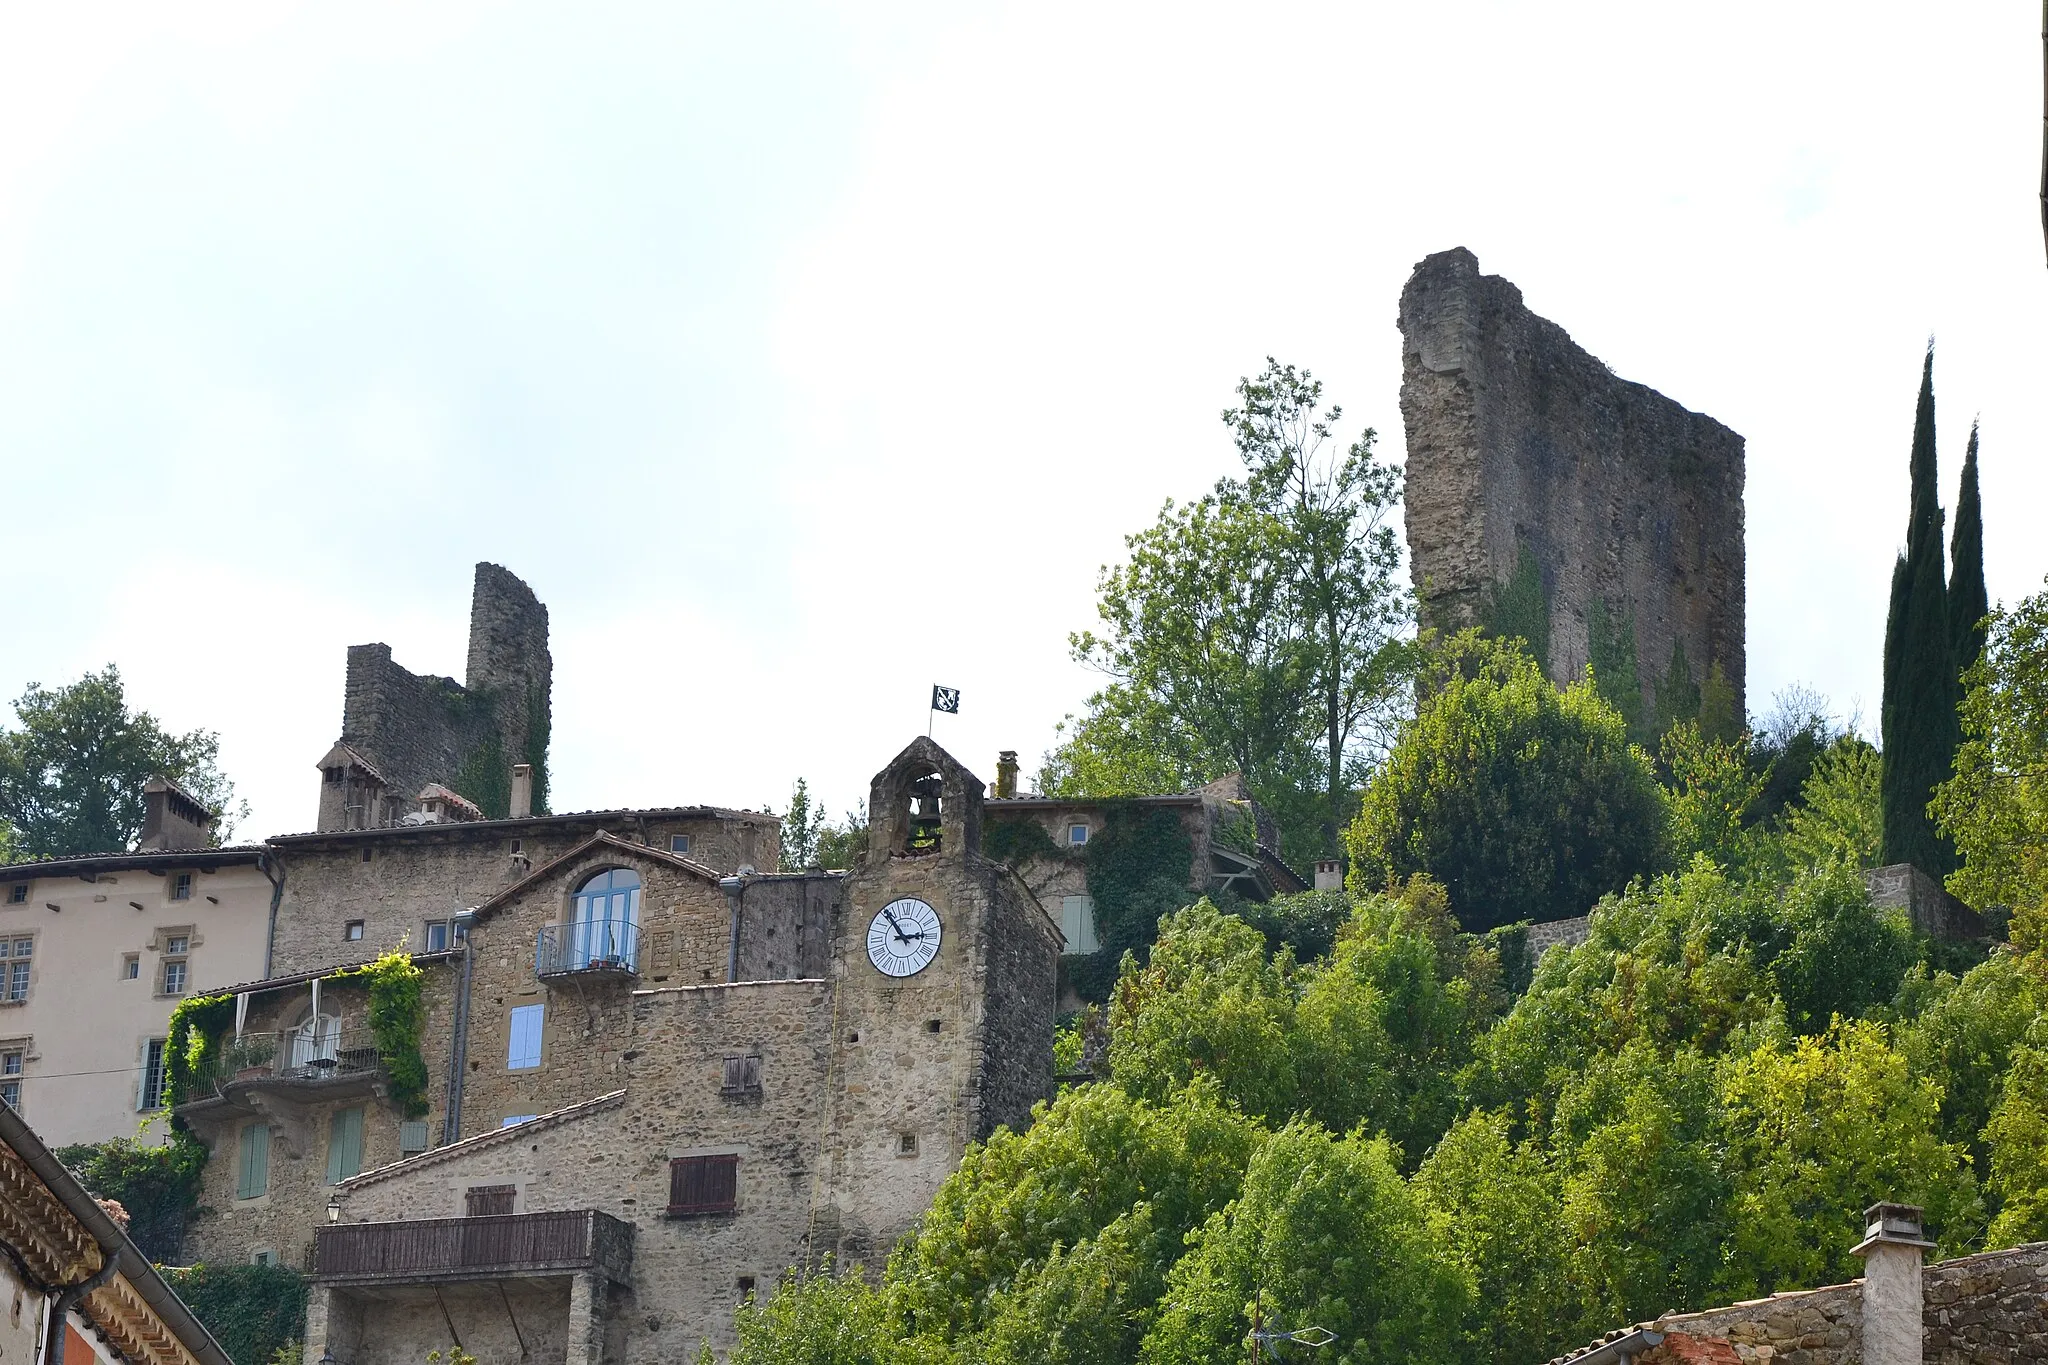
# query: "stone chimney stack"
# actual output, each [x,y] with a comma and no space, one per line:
[522,791]
[1329,875]
[1006,774]
[172,818]
[1892,1249]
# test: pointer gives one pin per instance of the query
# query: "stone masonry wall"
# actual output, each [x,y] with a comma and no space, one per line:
[1987,1308]
[786,926]
[1813,1327]
[415,874]
[284,1217]
[1517,437]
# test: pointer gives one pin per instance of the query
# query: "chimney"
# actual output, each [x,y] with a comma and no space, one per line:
[1891,1249]
[1006,774]
[522,790]
[1329,875]
[172,818]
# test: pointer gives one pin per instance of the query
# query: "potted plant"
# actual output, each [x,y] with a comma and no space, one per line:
[248,1057]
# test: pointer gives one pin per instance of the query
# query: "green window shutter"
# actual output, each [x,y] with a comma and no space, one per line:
[344,1145]
[254,1178]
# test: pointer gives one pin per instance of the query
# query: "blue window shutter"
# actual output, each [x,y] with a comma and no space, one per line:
[524,1049]
[254,1178]
[344,1145]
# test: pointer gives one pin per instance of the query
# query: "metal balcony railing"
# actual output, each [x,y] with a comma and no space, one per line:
[475,1248]
[302,1054]
[588,946]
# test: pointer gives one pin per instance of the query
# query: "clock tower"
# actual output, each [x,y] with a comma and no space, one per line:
[944,978]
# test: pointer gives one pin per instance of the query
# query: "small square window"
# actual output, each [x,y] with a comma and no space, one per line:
[412,1137]
[131,966]
[174,977]
[742,1075]
[10,1095]
[703,1184]
[746,1284]
[177,945]
[437,935]
[262,1256]
[352,931]
[906,1144]
[17,894]
[366,855]
[487,1201]
[679,843]
[10,1063]
[1077,834]
[181,886]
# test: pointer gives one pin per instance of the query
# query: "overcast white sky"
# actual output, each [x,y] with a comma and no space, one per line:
[802,356]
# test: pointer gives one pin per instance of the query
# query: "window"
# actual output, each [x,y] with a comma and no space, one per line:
[152,1096]
[607,920]
[174,976]
[262,1256]
[524,1048]
[513,1120]
[703,1184]
[906,1144]
[1077,922]
[1077,834]
[17,893]
[485,1201]
[131,966]
[14,956]
[677,843]
[742,1075]
[412,1137]
[178,945]
[366,855]
[352,932]
[181,886]
[252,1177]
[442,933]
[11,1063]
[344,1144]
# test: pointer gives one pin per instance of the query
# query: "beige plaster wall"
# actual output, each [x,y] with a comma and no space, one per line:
[84,1083]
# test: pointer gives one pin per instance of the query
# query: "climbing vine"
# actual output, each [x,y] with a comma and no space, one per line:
[252,1310]
[191,1046]
[1018,842]
[538,726]
[398,1019]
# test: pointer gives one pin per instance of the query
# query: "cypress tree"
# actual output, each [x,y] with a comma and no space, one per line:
[1968,603]
[1919,714]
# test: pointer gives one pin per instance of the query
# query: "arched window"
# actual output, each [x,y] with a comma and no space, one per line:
[607,918]
[316,1043]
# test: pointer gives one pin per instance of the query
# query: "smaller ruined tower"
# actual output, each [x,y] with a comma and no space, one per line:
[401,731]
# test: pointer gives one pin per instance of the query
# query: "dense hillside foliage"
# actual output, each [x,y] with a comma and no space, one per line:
[1402,1135]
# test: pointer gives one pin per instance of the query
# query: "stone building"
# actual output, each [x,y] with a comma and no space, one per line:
[1975,1309]
[132,933]
[651,1085]
[1524,448]
[402,731]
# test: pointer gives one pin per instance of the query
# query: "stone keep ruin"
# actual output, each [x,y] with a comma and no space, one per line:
[1528,459]
[403,733]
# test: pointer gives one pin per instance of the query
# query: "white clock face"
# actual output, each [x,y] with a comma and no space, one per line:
[904,938]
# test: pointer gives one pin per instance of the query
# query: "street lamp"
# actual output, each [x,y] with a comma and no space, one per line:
[333,1215]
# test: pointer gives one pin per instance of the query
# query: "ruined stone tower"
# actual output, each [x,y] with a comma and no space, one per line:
[1523,449]
[401,731]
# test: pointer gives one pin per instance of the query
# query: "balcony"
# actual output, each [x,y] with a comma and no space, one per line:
[497,1246]
[303,1064]
[602,947]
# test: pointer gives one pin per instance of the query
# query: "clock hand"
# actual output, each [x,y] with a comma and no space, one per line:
[892,922]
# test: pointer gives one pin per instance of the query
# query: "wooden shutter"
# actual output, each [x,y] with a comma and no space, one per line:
[254,1177]
[750,1073]
[703,1184]
[482,1201]
[344,1145]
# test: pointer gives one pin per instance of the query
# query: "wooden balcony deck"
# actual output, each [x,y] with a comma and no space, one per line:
[489,1247]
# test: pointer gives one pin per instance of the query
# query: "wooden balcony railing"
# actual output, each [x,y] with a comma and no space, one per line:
[508,1244]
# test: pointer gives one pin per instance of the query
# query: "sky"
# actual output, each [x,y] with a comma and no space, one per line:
[801,356]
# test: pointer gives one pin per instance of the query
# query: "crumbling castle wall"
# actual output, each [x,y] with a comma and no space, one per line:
[467,736]
[1522,445]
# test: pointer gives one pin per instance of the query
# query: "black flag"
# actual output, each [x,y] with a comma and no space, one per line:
[946,699]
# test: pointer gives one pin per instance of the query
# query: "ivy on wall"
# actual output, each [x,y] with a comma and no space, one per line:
[191,1047]
[538,726]
[252,1310]
[398,1020]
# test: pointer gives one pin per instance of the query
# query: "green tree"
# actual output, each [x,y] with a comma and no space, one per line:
[1995,808]
[1324,1234]
[1523,801]
[1503,1207]
[253,1311]
[1713,787]
[1816,1132]
[1838,817]
[1961,1032]
[1968,602]
[1845,957]
[2018,1138]
[1919,717]
[819,1319]
[71,777]
[841,845]
[158,1186]
[1255,630]
[803,827]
